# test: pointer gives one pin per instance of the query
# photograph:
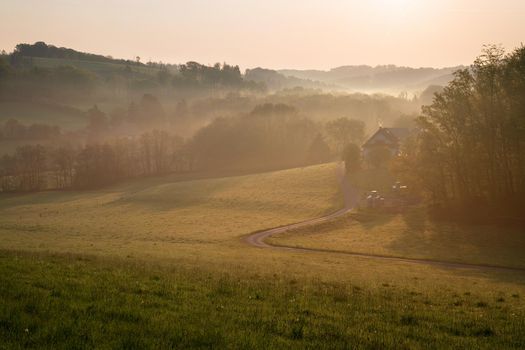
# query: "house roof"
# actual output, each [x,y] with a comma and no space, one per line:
[394,135]
[400,133]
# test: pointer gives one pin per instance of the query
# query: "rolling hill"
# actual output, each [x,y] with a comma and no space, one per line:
[168,213]
[388,78]
[160,263]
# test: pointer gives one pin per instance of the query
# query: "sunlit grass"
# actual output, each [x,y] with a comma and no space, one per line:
[155,217]
[160,262]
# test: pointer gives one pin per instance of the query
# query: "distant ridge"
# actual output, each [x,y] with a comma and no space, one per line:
[43,50]
[355,78]
[384,77]
[277,81]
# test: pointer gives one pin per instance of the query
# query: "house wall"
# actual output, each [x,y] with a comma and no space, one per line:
[379,139]
[366,150]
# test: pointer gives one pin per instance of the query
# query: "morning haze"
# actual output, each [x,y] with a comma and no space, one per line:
[305,34]
[262,175]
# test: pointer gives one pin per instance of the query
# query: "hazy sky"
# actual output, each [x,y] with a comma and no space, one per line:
[316,34]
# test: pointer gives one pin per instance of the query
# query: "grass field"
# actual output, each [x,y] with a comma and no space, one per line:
[159,263]
[67,302]
[160,217]
[413,234]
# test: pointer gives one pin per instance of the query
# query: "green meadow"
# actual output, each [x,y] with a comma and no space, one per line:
[55,301]
[167,216]
[161,263]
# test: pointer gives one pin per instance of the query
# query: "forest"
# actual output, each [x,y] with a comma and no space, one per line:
[271,136]
[469,152]
[74,120]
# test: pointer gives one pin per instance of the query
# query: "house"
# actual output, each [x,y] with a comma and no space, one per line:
[390,138]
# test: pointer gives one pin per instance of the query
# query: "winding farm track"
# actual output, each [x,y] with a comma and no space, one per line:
[351,195]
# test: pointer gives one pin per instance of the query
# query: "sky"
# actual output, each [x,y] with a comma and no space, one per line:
[276,34]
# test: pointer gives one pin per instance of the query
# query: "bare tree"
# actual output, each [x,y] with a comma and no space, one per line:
[63,163]
[30,167]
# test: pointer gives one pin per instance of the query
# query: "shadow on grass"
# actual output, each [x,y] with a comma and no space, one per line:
[415,219]
[439,245]
[489,245]
[369,219]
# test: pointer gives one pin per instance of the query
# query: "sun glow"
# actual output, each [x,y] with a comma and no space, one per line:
[397,8]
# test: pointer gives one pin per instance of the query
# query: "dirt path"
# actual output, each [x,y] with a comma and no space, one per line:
[351,197]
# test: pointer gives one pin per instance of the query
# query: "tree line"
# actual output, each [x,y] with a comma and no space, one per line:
[12,129]
[147,113]
[74,79]
[270,136]
[41,49]
[470,148]
[48,84]
[38,167]
[194,74]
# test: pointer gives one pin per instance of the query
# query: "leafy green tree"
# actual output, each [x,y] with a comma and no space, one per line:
[164,76]
[4,68]
[74,77]
[343,131]
[319,151]
[379,156]
[471,146]
[352,158]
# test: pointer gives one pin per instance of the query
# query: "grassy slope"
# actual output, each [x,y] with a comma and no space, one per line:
[162,217]
[67,302]
[413,234]
[159,263]
[410,234]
